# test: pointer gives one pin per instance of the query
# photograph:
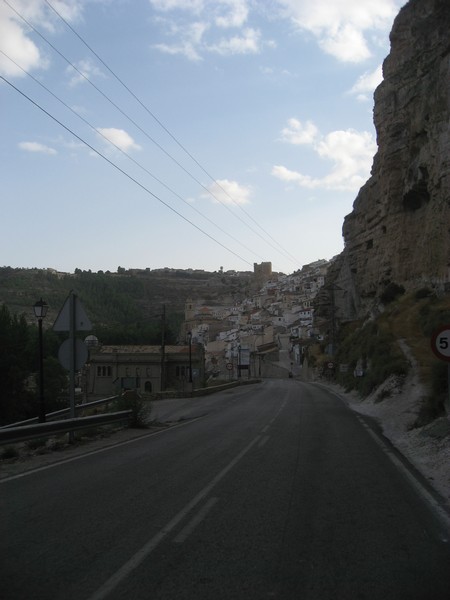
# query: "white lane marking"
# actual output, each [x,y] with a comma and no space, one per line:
[419,488]
[195,521]
[272,420]
[263,441]
[64,461]
[143,552]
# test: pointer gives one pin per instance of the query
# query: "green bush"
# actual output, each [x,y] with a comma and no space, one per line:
[432,316]
[132,400]
[376,351]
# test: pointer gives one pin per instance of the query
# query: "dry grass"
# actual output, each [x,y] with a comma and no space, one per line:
[414,320]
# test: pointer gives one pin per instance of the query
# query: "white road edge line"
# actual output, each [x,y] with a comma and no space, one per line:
[64,461]
[420,489]
[134,562]
[195,521]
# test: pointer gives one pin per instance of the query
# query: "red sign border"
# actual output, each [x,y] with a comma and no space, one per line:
[433,343]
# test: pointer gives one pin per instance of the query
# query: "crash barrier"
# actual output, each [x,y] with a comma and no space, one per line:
[12,435]
[60,413]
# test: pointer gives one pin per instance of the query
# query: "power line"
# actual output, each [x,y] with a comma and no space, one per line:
[172,136]
[128,155]
[130,177]
[106,97]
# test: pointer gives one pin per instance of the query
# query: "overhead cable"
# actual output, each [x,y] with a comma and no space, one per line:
[118,168]
[106,97]
[97,131]
[171,135]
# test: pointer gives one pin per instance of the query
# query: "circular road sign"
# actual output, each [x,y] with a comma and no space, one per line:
[81,354]
[229,366]
[440,343]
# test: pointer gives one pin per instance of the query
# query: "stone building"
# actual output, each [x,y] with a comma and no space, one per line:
[146,369]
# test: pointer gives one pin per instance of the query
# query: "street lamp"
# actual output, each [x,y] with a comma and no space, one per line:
[40,310]
[189,335]
[239,360]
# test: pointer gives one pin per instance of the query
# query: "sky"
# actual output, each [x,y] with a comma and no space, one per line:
[201,134]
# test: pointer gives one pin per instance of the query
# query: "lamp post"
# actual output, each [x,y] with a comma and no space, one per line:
[239,361]
[40,311]
[190,355]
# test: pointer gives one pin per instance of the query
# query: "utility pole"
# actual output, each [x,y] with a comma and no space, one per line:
[163,349]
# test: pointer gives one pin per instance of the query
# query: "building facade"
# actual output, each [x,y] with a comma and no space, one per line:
[147,369]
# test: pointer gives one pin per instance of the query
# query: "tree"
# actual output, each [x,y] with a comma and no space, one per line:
[15,366]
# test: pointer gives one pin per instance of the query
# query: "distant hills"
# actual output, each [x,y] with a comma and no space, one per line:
[124,297]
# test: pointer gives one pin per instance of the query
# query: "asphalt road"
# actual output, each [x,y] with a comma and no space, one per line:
[275,490]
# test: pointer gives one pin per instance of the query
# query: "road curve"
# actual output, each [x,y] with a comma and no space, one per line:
[275,490]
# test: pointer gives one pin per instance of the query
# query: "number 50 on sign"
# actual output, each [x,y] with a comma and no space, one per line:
[440,343]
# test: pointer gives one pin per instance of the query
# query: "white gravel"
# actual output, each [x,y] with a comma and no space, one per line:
[427,447]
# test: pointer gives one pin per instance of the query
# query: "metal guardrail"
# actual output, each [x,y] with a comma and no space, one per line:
[60,413]
[11,435]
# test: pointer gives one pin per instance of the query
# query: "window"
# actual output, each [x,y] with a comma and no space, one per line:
[180,371]
[104,371]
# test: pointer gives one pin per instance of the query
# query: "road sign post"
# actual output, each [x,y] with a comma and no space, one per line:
[440,345]
[72,318]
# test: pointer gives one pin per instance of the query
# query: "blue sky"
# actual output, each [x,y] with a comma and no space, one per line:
[197,134]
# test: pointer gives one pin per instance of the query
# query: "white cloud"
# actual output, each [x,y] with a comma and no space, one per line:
[346,44]
[341,27]
[15,43]
[36,147]
[229,192]
[85,69]
[345,29]
[119,138]
[350,152]
[248,43]
[212,18]
[297,133]
[223,13]
[366,84]
[237,15]
[168,5]
[190,43]
[15,35]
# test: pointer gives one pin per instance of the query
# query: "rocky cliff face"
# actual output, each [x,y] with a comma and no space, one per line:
[399,229]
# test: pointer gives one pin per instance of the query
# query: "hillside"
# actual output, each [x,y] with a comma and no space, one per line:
[119,298]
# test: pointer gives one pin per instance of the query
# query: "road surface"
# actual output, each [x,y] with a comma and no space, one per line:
[273,490]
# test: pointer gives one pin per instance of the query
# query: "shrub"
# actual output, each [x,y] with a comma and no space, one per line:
[376,351]
[36,443]
[9,452]
[391,292]
[141,408]
[423,293]
[434,405]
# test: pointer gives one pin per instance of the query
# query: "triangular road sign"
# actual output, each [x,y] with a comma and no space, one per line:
[81,322]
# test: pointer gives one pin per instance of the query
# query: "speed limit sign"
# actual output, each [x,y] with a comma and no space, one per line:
[440,343]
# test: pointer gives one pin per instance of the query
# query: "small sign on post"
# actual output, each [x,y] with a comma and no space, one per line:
[440,345]
[81,320]
[72,318]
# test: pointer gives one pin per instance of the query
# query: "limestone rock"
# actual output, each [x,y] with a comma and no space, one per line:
[399,229]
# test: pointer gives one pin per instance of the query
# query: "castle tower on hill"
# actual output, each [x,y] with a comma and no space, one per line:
[189,310]
[262,271]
